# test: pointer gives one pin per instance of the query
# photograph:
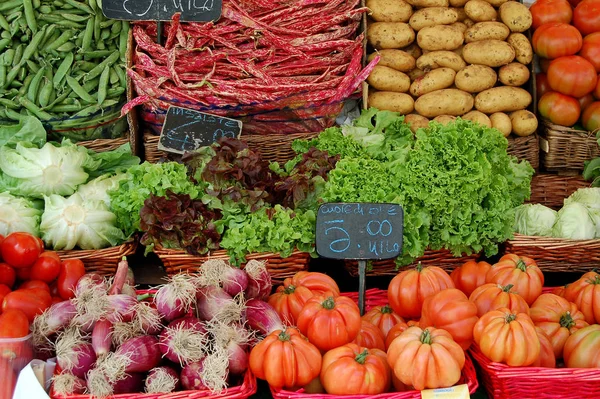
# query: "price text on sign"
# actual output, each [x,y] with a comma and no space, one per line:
[187,130]
[359,230]
[455,392]
[162,10]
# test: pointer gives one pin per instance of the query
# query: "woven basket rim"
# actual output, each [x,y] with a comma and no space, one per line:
[165,252]
[552,241]
[565,129]
[128,246]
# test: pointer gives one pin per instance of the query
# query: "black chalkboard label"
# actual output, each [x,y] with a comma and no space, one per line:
[187,130]
[162,10]
[359,231]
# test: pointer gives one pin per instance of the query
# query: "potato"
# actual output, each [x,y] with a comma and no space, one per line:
[440,37]
[516,16]
[514,74]
[480,11]
[502,99]
[522,47]
[436,79]
[475,78]
[478,117]
[468,22]
[497,3]
[416,74]
[524,123]
[416,121]
[428,3]
[444,102]
[388,79]
[397,59]
[440,59]
[392,101]
[444,119]
[502,122]
[458,3]
[459,51]
[385,35]
[389,10]
[432,16]
[460,26]
[493,53]
[460,12]
[413,50]
[487,31]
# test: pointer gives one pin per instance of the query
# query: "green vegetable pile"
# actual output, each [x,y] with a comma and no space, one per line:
[63,62]
[592,169]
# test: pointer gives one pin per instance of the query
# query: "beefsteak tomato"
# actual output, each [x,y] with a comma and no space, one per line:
[329,322]
[546,358]
[426,359]
[383,317]
[394,332]
[408,290]
[586,17]
[470,275]
[582,348]
[560,291]
[507,337]
[572,75]
[556,39]
[591,117]
[543,12]
[585,294]
[522,272]
[370,336]
[559,109]
[451,310]
[355,370]
[590,50]
[285,359]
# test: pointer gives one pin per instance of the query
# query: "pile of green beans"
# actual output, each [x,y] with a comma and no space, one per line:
[63,62]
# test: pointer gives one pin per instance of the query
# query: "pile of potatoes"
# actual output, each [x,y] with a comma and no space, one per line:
[440,59]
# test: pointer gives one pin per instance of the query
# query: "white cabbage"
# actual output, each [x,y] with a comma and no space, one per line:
[534,220]
[574,222]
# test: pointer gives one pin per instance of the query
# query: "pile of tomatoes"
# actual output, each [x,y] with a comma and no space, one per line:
[31,280]
[567,40]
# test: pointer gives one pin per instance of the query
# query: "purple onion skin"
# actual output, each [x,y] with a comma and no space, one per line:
[101,337]
[169,313]
[238,359]
[143,351]
[191,376]
[84,361]
[210,301]
[165,337]
[88,280]
[189,322]
[61,314]
[169,370]
[132,383]
[262,317]
[236,282]
[259,288]
[153,330]
[122,308]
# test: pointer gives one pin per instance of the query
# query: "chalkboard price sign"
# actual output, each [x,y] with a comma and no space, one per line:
[162,10]
[187,130]
[359,231]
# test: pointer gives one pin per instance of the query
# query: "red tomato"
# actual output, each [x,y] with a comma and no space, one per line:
[560,109]
[4,291]
[46,268]
[572,75]
[597,89]
[23,274]
[34,285]
[591,117]
[51,254]
[30,301]
[7,275]
[541,84]
[20,250]
[41,242]
[591,49]
[13,324]
[586,17]
[1,239]
[543,12]
[71,270]
[585,101]
[54,289]
[556,39]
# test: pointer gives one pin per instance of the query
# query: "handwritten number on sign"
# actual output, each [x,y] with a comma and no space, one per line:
[384,228]
[341,241]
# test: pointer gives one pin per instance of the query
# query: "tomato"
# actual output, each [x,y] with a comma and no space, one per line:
[543,12]
[394,332]
[329,322]
[370,336]
[9,379]
[591,117]
[507,337]
[558,318]
[494,296]
[546,358]
[522,272]
[13,324]
[426,359]
[591,50]
[54,289]
[35,284]
[50,254]
[23,274]
[585,293]
[556,39]
[573,76]
[597,89]
[586,16]
[383,317]
[541,84]
[290,297]
[585,101]
[470,276]
[355,370]
[20,250]
[285,359]
[71,270]
[46,268]
[581,349]
[408,290]
[4,291]
[31,301]
[451,311]
[560,109]
[560,291]
[544,64]
[7,275]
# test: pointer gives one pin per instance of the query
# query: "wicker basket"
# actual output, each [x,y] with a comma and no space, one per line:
[551,190]
[564,148]
[504,382]
[178,261]
[441,258]
[102,145]
[557,254]
[273,148]
[525,148]
[101,261]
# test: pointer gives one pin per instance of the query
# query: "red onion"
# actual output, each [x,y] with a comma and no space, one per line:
[66,384]
[142,354]
[130,278]
[78,359]
[121,307]
[88,282]
[262,317]
[233,338]
[175,299]
[217,272]
[132,383]
[162,380]
[211,301]
[183,341]
[120,277]
[101,385]
[101,337]
[259,280]
[54,319]
[129,290]
[234,281]
[191,376]
[238,358]
[147,319]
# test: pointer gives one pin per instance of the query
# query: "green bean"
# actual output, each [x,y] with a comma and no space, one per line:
[52,18]
[88,34]
[49,74]
[34,87]
[109,103]
[26,83]
[84,95]
[50,30]
[62,70]
[45,93]
[60,4]
[66,48]
[14,115]
[34,109]
[105,34]
[14,84]
[5,35]
[32,66]
[4,23]
[79,57]
[4,43]
[99,2]
[45,9]
[2,75]
[51,39]
[66,108]
[115,92]
[70,24]
[100,45]
[8,103]
[64,37]
[18,55]
[81,6]
[92,109]
[114,78]
[33,46]
[30,15]
[100,67]
[75,17]
[97,28]
[93,5]
[12,17]
[85,66]
[122,76]
[60,98]
[10,4]
[9,55]
[103,85]
[92,84]
[123,38]
[108,22]
[69,101]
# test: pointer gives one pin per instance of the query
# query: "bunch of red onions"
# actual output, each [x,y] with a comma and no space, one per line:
[194,333]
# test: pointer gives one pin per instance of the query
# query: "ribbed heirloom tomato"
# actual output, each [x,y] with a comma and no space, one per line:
[572,75]
[559,108]
[394,332]
[591,117]
[383,317]
[591,50]
[520,271]
[370,336]
[546,11]
[546,358]
[556,39]
[585,293]
[470,275]
[586,16]
[582,349]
